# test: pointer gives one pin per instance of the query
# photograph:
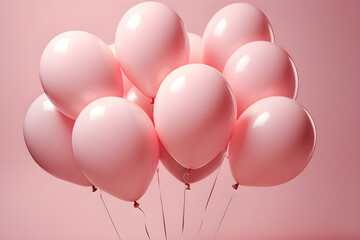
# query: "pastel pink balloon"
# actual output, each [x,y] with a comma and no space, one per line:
[258,70]
[47,135]
[273,141]
[194,113]
[116,146]
[151,41]
[195,48]
[75,69]
[126,82]
[135,96]
[230,28]
[196,174]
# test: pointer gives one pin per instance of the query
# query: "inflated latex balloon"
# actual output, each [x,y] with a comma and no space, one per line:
[194,114]
[151,41]
[135,96]
[116,146]
[195,175]
[258,70]
[127,84]
[195,48]
[75,69]
[47,135]
[273,141]
[230,28]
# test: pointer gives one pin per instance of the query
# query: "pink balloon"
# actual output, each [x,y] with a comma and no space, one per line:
[75,69]
[194,113]
[273,141]
[259,70]
[47,135]
[135,96]
[126,82]
[151,41]
[196,174]
[115,144]
[230,28]
[195,48]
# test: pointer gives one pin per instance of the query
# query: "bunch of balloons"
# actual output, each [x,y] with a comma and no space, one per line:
[109,113]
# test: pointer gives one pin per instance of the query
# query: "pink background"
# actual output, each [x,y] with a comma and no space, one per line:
[323,38]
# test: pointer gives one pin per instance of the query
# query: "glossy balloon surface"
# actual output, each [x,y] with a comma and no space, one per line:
[258,70]
[151,41]
[273,141]
[194,114]
[230,28]
[47,135]
[115,144]
[137,97]
[77,68]
[126,82]
[195,175]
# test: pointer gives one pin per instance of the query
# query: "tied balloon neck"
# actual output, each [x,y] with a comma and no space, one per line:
[185,178]
[136,204]
[152,100]
[235,186]
[94,189]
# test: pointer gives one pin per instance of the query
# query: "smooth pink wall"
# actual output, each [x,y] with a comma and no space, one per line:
[323,38]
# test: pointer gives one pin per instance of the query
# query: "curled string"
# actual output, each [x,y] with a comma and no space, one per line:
[137,205]
[108,213]
[235,186]
[208,200]
[161,201]
[186,187]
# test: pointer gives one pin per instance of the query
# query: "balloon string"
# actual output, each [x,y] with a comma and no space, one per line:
[108,213]
[208,200]
[137,205]
[186,187]
[161,201]
[235,186]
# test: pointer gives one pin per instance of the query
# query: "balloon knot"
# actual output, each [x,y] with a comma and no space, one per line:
[93,188]
[152,100]
[186,176]
[136,204]
[187,186]
[235,186]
